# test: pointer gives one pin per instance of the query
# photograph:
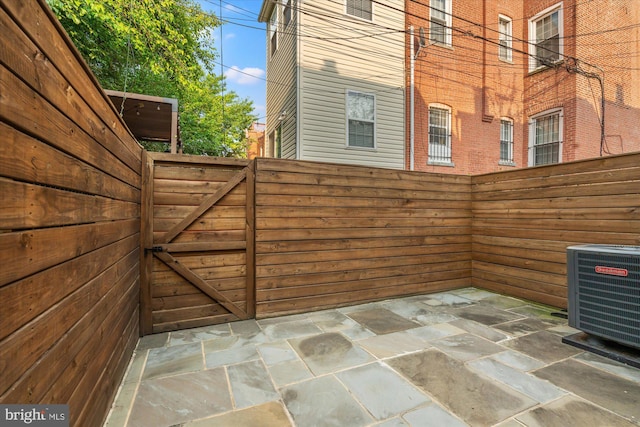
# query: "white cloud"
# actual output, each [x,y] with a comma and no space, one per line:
[232,8]
[229,36]
[244,76]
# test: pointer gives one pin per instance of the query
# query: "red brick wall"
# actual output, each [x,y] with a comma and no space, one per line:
[456,77]
[616,52]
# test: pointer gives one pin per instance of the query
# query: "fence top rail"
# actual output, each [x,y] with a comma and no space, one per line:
[195,160]
[619,161]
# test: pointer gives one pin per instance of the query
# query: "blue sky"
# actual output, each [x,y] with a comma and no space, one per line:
[243,49]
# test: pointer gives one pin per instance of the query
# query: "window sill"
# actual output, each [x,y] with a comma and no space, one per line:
[507,61]
[357,18]
[355,147]
[505,163]
[442,45]
[447,164]
[542,68]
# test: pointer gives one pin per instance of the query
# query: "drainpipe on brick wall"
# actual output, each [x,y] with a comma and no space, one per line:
[411,101]
[487,115]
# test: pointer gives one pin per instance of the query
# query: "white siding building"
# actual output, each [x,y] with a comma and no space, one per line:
[335,81]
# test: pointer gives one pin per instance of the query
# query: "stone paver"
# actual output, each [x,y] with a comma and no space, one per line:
[467,347]
[165,361]
[382,391]
[275,353]
[289,372]
[602,388]
[197,335]
[397,343]
[476,400]
[518,328]
[540,391]
[180,398]
[465,357]
[434,332]
[518,360]
[617,368]
[543,346]
[382,321]
[251,384]
[323,402]
[329,352]
[570,411]
[486,316]
[479,329]
[271,414]
[432,416]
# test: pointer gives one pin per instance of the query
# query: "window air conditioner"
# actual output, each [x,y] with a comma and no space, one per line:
[604,291]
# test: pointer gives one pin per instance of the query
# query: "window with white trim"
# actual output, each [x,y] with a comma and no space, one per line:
[361,119]
[505,37]
[287,12]
[273,30]
[440,22]
[545,138]
[545,31]
[360,9]
[506,141]
[439,134]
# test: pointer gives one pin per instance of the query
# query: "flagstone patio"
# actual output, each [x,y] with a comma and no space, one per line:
[465,357]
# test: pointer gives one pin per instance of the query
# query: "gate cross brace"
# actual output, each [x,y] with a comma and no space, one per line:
[204,206]
[197,281]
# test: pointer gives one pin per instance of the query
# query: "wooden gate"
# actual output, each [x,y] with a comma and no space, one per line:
[197,236]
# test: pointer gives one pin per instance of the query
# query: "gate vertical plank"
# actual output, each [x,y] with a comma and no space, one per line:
[146,241]
[251,239]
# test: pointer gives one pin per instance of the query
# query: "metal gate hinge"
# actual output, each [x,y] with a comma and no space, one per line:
[155,249]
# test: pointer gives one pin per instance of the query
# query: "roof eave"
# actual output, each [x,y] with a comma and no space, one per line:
[265,10]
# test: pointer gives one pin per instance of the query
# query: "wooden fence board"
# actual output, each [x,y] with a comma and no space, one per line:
[362,243]
[319,302]
[30,342]
[287,201]
[31,250]
[43,121]
[29,298]
[34,206]
[26,159]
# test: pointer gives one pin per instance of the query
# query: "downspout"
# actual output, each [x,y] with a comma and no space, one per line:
[411,101]
[298,83]
[487,115]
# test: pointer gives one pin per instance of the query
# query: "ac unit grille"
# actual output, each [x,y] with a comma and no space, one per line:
[606,293]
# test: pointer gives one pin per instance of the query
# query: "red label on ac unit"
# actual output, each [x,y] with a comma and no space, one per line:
[612,271]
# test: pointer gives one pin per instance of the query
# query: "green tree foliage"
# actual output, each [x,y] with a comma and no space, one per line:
[162,48]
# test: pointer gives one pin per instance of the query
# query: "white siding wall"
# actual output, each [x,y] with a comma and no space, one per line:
[281,86]
[339,52]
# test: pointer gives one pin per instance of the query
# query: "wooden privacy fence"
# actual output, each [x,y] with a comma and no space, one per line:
[328,235]
[86,217]
[69,223]
[523,221]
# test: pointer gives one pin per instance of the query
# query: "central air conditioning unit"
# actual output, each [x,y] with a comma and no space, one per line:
[604,291]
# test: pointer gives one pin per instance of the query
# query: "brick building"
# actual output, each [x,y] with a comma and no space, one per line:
[499,84]
[255,138]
